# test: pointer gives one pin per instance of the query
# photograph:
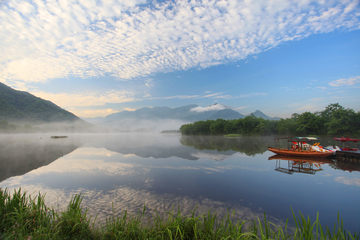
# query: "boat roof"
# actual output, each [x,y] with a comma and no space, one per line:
[299,138]
[308,138]
[346,139]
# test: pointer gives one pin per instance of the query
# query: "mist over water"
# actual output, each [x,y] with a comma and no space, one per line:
[129,170]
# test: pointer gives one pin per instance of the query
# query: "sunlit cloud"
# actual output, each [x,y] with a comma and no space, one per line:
[130,109]
[89,113]
[42,40]
[176,97]
[86,99]
[341,82]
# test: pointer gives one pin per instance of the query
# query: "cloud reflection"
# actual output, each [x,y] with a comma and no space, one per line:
[348,181]
[102,203]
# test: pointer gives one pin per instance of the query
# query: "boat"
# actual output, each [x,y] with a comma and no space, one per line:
[347,139]
[301,147]
[348,153]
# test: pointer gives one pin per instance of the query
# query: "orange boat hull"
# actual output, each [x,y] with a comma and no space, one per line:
[299,153]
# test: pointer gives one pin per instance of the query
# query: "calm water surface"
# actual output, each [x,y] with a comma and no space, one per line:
[124,171]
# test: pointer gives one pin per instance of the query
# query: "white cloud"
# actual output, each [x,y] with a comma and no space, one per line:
[176,96]
[251,94]
[45,40]
[239,108]
[214,107]
[342,82]
[130,109]
[317,99]
[88,99]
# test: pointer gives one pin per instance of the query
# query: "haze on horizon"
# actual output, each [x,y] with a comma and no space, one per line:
[94,58]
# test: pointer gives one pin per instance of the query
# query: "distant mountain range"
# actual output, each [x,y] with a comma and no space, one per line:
[18,107]
[188,113]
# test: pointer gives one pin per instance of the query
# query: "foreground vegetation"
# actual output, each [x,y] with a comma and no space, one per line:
[26,217]
[334,120]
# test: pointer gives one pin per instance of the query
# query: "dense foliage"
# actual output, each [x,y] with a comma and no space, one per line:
[334,120]
[26,217]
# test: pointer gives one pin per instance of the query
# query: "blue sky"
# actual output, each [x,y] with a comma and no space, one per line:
[94,58]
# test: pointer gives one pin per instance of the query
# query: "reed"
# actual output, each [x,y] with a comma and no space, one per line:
[27,217]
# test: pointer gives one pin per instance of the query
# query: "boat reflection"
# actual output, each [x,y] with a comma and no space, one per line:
[292,164]
[346,163]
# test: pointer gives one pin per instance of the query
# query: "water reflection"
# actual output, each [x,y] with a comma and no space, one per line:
[159,146]
[291,164]
[247,145]
[23,153]
[128,170]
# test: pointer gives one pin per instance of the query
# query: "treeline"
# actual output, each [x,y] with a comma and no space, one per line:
[334,120]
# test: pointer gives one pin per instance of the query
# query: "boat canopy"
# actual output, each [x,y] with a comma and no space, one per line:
[343,139]
[308,138]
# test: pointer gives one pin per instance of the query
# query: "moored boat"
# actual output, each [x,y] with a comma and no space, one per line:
[301,147]
[347,139]
[348,153]
[302,153]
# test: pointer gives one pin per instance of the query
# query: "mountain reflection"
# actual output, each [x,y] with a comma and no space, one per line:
[23,153]
[156,146]
[246,145]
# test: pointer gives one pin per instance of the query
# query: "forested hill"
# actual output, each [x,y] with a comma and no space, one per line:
[19,106]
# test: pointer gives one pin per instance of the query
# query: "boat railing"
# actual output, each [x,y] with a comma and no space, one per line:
[297,143]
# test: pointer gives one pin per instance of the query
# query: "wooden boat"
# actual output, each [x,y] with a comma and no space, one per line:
[301,147]
[301,153]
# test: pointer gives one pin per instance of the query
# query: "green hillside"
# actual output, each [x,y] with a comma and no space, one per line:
[19,106]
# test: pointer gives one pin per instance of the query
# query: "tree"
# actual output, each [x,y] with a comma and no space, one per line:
[307,123]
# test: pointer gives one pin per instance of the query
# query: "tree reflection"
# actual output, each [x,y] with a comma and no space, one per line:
[247,145]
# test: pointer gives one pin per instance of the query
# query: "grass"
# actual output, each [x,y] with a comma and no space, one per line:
[233,135]
[27,217]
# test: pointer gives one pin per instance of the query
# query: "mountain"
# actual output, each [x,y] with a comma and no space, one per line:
[18,107]
[23,106]
[186,113]
[260,114]
[150,119]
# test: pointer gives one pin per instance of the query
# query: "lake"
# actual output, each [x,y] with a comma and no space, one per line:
[118,172]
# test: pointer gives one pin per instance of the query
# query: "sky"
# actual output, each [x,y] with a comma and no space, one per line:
[94,58]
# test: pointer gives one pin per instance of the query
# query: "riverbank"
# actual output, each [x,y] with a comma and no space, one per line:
[27,217]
